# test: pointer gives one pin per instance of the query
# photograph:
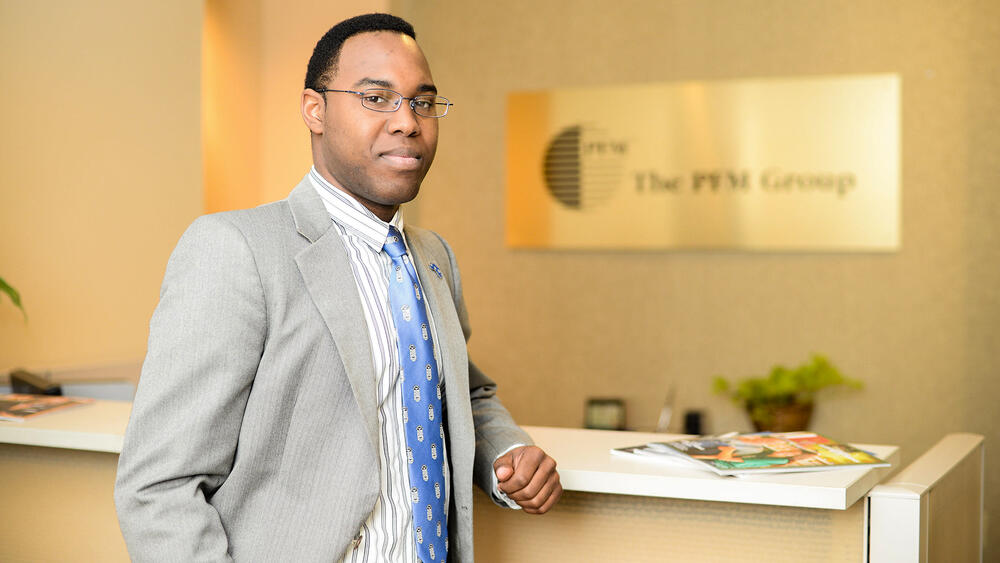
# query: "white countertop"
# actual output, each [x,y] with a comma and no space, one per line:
[97,427]
[584,458]
[586,464]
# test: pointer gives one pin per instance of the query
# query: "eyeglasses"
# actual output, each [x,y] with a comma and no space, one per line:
[380,99]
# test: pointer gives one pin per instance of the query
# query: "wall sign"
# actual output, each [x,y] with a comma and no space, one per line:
[797,164]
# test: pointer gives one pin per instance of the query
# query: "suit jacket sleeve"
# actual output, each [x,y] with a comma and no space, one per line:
[205,341]
[496,430]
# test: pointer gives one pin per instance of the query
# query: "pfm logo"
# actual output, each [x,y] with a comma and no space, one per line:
[583,167]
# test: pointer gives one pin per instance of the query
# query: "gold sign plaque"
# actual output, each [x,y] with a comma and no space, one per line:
[770,164]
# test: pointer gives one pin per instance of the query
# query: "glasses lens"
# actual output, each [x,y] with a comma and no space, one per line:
[430,106]
[380,100]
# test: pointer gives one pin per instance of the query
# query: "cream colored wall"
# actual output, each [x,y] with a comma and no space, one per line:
[101,168]
[230,102]
[100,171]
[257,148]
[921,326]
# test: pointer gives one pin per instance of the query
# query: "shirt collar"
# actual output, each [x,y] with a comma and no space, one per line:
[348,212]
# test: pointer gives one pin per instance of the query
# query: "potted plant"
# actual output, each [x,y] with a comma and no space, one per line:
[15,297]
[783,401]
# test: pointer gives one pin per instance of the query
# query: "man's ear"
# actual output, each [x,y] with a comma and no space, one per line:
[313,108]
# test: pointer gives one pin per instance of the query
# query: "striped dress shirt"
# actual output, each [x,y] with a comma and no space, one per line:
[387,534]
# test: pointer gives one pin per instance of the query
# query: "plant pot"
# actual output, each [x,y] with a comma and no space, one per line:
[781,418]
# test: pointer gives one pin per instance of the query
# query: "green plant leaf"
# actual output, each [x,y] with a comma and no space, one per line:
[784,386]
[720,386]
[15,297]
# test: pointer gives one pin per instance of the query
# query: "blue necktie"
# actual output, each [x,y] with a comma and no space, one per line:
[421,404]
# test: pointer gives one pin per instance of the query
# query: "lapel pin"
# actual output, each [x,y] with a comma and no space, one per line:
[436,270]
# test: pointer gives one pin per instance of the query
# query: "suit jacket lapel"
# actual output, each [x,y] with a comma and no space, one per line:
[329,278]
[451,340]
[428,251]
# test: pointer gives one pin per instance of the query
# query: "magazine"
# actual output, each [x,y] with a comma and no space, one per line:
[764,452]
[18,407]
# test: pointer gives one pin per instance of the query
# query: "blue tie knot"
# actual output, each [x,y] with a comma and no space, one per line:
[394,246]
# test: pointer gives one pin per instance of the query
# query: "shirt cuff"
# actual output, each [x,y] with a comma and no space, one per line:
[499,496]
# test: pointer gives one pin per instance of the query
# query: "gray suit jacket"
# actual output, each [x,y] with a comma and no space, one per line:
[254,434]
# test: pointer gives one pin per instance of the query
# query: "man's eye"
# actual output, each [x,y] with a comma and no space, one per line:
[373,99]
[423,104]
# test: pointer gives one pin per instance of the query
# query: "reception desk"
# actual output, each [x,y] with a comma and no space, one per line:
[57,475]
[649,511]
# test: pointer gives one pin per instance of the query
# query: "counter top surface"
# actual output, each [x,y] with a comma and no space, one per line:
[586,464]
[97,426]
[584,458]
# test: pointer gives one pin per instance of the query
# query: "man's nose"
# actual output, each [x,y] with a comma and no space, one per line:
[404,121]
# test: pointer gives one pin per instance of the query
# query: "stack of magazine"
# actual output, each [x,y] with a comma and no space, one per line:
[763,452]
[17,407]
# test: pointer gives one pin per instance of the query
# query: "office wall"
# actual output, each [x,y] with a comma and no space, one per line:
[256,146]
[100,171]
[230,101]
[102,168]
[920,326]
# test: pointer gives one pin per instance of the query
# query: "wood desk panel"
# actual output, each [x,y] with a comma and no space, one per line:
[607,527]
[58,505]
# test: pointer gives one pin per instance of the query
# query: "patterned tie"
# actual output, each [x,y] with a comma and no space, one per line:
[421,404]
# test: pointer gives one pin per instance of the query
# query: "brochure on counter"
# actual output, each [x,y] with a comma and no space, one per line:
[763,452]
[17,407]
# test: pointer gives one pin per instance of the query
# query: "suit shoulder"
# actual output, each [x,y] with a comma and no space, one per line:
[249,224]
[274,212]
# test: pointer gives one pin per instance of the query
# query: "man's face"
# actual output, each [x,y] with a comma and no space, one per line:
[379,158]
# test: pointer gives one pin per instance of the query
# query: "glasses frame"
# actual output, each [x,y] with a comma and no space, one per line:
[412,100]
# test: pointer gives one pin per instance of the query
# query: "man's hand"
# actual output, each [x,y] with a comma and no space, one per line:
[529,477]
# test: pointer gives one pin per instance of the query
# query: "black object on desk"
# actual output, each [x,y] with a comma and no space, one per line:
[25,382]
[692,422]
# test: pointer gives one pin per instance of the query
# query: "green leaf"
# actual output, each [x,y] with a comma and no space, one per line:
[720,386]
[15,297]
[784,386]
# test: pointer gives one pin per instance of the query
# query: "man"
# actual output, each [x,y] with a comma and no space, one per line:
[307,393]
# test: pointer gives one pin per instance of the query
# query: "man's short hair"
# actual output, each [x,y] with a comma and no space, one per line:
[323,63]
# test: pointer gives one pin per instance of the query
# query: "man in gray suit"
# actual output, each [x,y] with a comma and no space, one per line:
[267,425]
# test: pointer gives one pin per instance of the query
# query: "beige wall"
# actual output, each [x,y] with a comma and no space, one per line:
[100,171]
[257,147]
[101,166]
[230,102]
[920,326]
